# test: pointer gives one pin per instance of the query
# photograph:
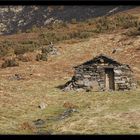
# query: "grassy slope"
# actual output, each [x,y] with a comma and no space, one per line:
[99,113]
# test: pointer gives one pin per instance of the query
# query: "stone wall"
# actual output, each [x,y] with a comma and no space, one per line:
[123,78]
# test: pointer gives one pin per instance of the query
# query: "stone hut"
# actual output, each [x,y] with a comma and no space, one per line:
[101,74]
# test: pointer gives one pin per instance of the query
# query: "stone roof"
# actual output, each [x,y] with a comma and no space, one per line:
[98,58]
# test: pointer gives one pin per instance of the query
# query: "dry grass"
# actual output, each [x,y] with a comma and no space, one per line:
[98,112]
[58,32]
[102,113]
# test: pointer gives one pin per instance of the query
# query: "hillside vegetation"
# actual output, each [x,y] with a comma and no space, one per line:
[26,87]
[62,31]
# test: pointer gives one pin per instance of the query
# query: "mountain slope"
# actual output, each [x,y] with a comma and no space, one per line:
[95,113]
[21,18]
[102,113]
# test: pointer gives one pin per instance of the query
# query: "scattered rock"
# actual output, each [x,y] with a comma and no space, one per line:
[114,50]
[16,77]
[39,122]
[44,132]
[48,21]
[42,105]
[67,113]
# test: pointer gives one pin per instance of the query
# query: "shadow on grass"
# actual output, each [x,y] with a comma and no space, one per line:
[62,87]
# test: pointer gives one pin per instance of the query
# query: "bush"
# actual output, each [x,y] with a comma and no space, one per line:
[38,57]
[90,21]
[74,35]
[133,32]
[80,35]
[27,42]
[126,21]
[65,24]
[73,21]
[9,48]
[47,49]
[138,83]
[102,24]
[34,29]
[19,31]
[6,48]
[43,57]
[22,49]
[48,37]
[59,24]
[110,23]
[84,35]
[10,63]
[23,58]
[6,51]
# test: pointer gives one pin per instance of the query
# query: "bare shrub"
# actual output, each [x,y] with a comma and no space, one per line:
[21,49]
[73,21]
[69,105]
[24,58]
[10,63]
[133,32]
[6,48]
[27,126]
[120,20]
[43,57]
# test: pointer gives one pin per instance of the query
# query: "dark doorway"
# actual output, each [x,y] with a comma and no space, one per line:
[109,79]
